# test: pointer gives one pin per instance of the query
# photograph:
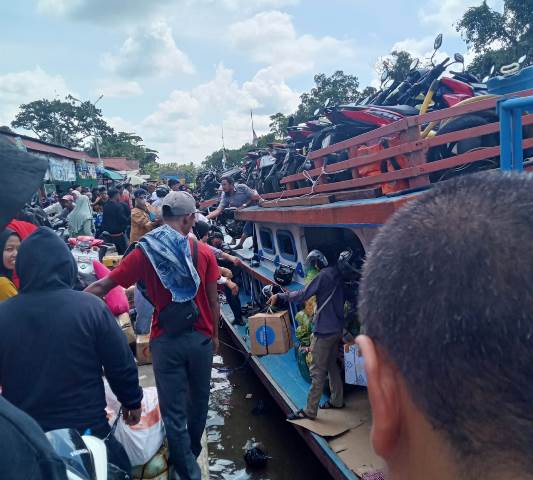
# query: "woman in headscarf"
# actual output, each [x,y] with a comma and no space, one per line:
[9,245]
[80,220]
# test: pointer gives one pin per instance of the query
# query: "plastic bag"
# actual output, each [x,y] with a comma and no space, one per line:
[141,441]
[116,299]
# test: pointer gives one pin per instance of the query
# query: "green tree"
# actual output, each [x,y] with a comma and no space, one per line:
[63,122]
[123,144]
[396,64]
[339,88]
[278,125]
[498,38]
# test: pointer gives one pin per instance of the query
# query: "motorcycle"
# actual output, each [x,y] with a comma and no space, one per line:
[84,456]
[85,250]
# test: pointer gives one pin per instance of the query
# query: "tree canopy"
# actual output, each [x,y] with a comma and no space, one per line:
[498,38]
[64,122]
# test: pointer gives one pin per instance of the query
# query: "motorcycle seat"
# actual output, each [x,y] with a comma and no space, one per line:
[405,110]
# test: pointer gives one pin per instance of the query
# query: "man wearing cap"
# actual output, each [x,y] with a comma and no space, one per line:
[140,216]
[61,209]
[175,269]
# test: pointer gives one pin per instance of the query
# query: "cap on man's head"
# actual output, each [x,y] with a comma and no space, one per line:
[70,198]
[140,192]
[178,203]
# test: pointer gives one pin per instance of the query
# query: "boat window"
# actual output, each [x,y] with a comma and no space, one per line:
[267,240]
[332,240]
[286,245]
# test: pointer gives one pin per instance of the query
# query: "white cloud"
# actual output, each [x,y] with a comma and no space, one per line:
[138,11]
[270,38]
[187,125]
[444,14]
[148,51]
[26,86]
[118,88]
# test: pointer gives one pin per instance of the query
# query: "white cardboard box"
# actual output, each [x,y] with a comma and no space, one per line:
[354,367]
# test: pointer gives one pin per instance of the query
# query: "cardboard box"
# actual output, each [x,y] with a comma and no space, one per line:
[144,356]
[270,333]
[124,322]
[111,261]
[354,367]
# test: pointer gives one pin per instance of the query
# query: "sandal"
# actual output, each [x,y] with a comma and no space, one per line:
[328,406]
[298,415]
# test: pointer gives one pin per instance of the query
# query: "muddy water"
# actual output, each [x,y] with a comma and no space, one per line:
[241,409]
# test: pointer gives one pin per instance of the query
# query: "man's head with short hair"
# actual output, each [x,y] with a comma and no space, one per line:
[173,184]
[179,211]
[113,194]
[227,184]
[446,305]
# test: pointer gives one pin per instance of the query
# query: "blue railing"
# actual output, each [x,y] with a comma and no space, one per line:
[510,112]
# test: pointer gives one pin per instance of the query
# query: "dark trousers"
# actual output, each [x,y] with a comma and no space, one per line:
[234,303]
[120,242]
[182,369]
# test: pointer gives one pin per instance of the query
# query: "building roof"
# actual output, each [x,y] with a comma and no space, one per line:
[36,145]
[120,163]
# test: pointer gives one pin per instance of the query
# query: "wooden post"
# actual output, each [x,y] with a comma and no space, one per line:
[418,157]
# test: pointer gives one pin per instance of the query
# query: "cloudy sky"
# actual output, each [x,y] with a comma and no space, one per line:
[174,71]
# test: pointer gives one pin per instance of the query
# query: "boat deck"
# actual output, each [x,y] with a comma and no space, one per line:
[339,438]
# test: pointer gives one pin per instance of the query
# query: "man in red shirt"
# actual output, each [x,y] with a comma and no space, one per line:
[182,362]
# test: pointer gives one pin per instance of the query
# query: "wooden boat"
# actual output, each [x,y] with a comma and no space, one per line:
[330,216]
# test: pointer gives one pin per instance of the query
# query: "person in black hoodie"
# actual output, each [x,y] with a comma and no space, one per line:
[55,343]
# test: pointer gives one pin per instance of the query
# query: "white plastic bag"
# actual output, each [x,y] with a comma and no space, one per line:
[141,441]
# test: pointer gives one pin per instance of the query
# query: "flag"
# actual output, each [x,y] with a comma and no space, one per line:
[254,135]
[224,158]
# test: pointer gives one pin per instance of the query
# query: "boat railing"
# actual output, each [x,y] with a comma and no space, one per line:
[409,143]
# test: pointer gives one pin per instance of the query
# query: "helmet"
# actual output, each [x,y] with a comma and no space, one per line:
[268,290]
[316,259]
[348,264]
[162,191]
[283,275]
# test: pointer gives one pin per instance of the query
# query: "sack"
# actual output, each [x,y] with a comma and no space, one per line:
[141,441]
[116,299]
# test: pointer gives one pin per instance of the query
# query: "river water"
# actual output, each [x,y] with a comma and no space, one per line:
[241,409]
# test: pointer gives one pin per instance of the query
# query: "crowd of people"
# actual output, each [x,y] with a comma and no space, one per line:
[444,302]
[177,270]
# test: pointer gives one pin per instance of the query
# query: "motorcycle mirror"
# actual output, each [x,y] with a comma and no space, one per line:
[492,69]
[327,102]
[458,58]
[522,59]
[316,112]
[485,79]
[438,42]
[290,121]
[414,64]
[384,75]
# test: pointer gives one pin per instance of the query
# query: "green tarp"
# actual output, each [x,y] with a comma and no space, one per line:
[112,175]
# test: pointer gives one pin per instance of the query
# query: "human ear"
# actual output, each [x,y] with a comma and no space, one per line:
[383,394]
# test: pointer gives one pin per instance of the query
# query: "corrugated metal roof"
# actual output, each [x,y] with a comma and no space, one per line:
[120,163]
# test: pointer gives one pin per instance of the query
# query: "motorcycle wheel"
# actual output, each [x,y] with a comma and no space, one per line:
[452,149]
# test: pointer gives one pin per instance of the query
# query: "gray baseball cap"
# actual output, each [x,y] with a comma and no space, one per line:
[179,203]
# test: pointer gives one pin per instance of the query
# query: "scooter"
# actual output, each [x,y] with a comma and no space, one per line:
[84,456]
[85,249]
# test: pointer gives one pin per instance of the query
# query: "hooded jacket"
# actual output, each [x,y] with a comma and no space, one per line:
[56,341]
